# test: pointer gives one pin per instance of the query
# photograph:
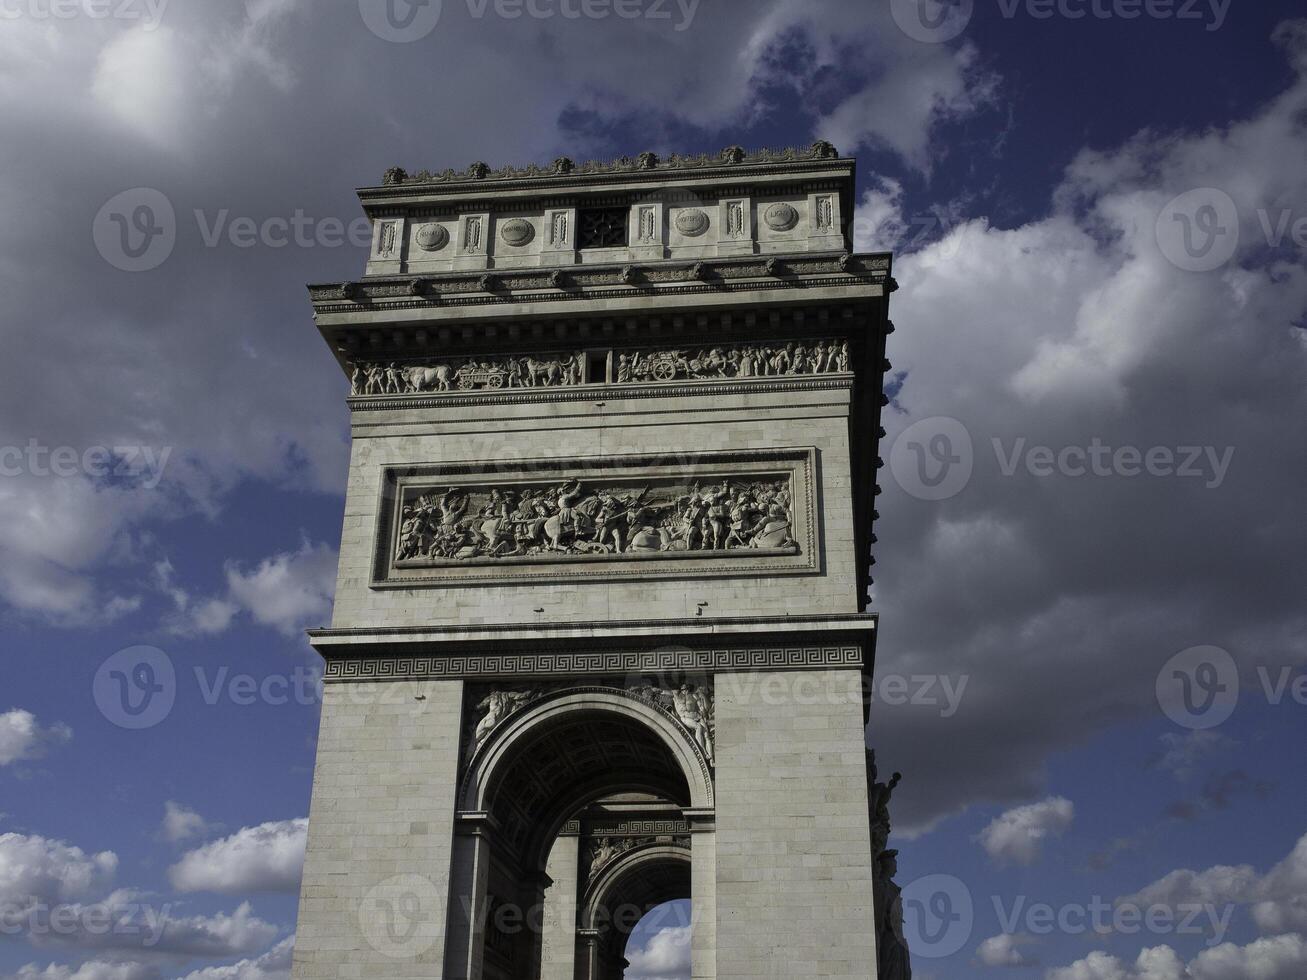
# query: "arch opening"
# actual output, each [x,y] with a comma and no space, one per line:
[532,782]
[659,945]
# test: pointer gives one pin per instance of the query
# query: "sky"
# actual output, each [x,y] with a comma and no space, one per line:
[1090,570]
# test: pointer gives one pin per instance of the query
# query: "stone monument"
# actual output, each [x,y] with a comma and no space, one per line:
[600,637]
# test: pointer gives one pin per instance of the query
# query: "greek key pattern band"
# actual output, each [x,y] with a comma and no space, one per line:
[385,668]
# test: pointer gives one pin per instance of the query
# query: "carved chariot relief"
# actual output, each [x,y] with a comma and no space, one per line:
[713,513]
[788,359]
[469,374]
[783,359]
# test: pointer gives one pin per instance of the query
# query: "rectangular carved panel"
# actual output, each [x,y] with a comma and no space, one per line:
[614,517]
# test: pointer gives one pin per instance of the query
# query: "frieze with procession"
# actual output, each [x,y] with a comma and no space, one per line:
[723,362]
[603,518]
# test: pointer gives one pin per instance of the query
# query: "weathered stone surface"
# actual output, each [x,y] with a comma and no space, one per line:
[600,634]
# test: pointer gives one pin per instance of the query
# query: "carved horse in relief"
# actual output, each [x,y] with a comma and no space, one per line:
[547,373]
[440,377]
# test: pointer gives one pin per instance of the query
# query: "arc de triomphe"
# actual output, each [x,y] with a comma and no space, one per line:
[600,637]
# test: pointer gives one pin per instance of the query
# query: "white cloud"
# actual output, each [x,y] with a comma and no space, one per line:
[272,965]
[1278,899]
[145,929]
[90,970]
[182,823]
[143,77]
[1278,958]
[1018,836]
[665,956]
[289,591]
[22,738]
[267,858]
[37,869]
[1004,950]
[1066,329]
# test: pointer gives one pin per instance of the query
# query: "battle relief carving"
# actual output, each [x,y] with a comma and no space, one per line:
[596,517]
[702,514]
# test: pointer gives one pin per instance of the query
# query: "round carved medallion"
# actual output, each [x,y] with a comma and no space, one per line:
[692,223]
[517,231]
[781,217]
[432,238]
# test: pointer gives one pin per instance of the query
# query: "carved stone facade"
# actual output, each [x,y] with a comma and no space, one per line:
[527,520]
[601,636]
[788,359]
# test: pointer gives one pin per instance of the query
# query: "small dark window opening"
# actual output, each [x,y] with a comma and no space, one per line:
[601,227]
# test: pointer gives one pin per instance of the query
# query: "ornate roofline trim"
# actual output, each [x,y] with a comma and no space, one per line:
[731,159]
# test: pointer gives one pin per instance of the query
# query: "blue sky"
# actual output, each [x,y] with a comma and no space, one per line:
[1021,168]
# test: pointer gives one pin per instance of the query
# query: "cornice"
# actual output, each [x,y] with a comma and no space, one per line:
[571,283]
[614,392]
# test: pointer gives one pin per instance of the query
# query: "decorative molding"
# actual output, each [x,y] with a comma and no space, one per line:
[781,216]
[373,403]
[517,232]
[359,666]
[731,156]
[692,223]
[432,237]
[840,269]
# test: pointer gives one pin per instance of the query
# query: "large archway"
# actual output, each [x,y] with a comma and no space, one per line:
[587,794]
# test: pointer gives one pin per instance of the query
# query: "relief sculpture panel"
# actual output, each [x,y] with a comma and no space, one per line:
[755,512]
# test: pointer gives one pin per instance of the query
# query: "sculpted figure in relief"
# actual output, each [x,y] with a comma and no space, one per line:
[497,706]
[616,518]
[789,359]
[470,375]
